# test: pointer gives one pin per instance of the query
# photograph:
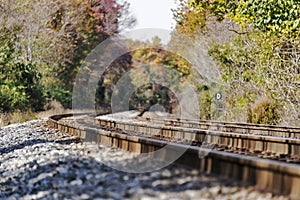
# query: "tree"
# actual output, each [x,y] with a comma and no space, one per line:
[259,59]
[56,36]
[271,16]
[150,63]
[20,87]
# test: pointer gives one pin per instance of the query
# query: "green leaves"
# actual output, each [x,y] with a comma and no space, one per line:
[20,87]
[12,98]
[270,16]
[43,44]
[256,65]
[259,58]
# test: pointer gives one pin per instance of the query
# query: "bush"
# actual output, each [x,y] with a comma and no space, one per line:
[20,87]
[264,111]
[12,98]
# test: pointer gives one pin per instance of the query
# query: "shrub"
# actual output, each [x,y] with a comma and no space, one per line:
[264,111]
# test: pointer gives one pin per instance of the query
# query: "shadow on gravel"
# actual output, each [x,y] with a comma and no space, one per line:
[34,142]
[71,176]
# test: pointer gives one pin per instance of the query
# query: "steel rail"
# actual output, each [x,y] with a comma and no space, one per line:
[266,175]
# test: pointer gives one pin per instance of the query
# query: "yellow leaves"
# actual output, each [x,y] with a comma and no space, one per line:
[270,16]
[243,25]
[157,56]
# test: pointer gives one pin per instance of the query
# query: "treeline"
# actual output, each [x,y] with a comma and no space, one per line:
[136,75]
[256,46]
[43,44]
[155,73]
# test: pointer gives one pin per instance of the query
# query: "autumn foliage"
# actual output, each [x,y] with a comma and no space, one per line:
[43,44]
[257,53]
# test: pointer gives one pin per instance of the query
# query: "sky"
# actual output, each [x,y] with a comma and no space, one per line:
[154,14]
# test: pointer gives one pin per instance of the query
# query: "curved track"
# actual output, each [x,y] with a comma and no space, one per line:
[272,142]
[237,153]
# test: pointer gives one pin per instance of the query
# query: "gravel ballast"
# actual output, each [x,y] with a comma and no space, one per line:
[37,162]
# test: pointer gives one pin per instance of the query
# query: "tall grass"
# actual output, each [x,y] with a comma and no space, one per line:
[18,117]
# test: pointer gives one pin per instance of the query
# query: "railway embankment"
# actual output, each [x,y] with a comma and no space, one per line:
[39,162]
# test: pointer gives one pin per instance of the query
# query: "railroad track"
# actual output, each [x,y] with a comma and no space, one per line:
[272,143]
[237,151]
[236,127]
